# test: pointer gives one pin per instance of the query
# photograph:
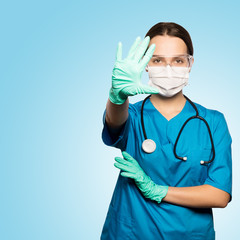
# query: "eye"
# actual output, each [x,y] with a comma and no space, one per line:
[157,60]
[179,61]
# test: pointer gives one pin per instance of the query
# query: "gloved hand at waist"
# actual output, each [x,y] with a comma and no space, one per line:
[130,168]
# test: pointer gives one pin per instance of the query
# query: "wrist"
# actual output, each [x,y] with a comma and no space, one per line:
[151,190]
[161,193]
[115,97]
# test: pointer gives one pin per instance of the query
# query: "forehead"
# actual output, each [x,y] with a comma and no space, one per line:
[168,45]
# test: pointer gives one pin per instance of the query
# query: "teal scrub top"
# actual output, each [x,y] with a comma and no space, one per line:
[130,214]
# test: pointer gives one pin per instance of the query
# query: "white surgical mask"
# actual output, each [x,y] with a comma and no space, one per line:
[169,80]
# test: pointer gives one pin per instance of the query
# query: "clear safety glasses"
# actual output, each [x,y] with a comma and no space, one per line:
[174,61]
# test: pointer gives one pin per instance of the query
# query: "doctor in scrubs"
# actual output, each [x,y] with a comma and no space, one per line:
[162,192]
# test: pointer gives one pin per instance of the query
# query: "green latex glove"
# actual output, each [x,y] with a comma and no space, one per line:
[131,169]
[126,75]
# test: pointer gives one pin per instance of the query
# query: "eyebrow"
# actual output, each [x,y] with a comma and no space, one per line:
[177,55]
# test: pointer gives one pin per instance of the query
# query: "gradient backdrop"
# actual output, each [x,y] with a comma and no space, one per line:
[56,58]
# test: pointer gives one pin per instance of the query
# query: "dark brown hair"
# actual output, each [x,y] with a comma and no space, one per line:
[174,30]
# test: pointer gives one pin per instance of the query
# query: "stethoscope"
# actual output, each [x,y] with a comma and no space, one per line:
[149,146]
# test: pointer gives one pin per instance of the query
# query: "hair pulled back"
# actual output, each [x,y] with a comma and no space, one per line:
[171,29]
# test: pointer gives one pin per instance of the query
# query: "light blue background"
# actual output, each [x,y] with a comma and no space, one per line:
[56,58]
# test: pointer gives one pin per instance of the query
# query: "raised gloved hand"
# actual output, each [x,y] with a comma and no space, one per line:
[126,75]
[131,169]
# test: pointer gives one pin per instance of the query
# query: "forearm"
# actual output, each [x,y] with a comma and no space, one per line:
[203,196]
[116,115]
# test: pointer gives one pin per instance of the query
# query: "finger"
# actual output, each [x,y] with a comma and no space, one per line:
[128,157]
[122,167]
[141,50]
[129,175]
[122,161]
[119,52]
[133,48]
[145,89]
[147,56]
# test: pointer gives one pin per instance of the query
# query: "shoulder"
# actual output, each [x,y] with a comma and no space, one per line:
[203,111]
[206,110]
[211,115]
[135,108]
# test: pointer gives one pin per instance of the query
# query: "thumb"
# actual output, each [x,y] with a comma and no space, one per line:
[145,89]
[129,175]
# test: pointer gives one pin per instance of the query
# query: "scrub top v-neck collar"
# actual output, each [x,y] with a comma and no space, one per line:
[173,119]
[169,128]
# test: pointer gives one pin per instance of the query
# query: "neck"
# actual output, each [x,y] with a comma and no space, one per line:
[168,104]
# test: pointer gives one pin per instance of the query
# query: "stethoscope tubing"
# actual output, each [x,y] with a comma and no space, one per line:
[179,134]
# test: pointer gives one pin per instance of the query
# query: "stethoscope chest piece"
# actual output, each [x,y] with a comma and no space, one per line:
[148,146]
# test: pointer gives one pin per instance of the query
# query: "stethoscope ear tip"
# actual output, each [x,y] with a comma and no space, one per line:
[184,158]
[202,162]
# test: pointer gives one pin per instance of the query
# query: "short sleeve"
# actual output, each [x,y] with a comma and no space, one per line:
[220,170]
[121,140]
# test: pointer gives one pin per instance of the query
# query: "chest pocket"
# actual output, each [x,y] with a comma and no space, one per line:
[199,172]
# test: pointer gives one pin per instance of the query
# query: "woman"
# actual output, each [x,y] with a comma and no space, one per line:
[165,190]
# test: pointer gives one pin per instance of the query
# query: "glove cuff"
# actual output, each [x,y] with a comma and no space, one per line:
[151,190]
[115,98]
[160,193]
